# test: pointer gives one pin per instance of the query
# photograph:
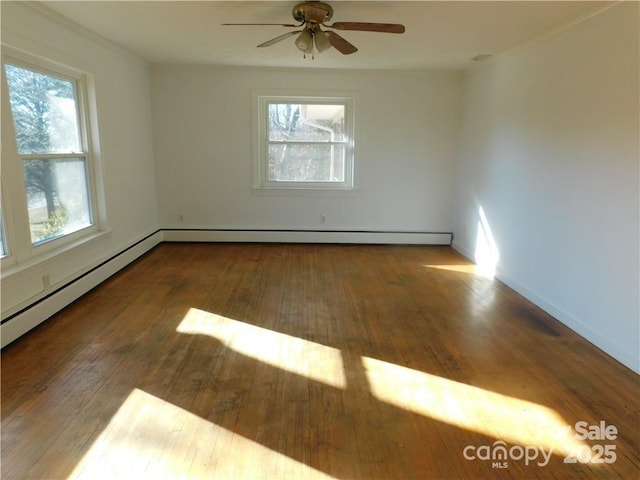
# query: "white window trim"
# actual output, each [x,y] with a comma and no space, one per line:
[261,184]
[21,251]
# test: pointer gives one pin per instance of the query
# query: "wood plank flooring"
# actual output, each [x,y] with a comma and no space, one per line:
[228,361]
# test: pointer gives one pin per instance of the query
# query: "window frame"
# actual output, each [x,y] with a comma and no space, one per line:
[17,232]
[262,142]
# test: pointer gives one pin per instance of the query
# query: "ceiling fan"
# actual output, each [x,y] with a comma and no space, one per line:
[311,16]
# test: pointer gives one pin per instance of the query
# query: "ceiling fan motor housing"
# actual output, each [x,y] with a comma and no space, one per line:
[299,12]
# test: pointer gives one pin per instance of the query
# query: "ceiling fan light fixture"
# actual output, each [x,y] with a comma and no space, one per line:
[321,40]
[304,42]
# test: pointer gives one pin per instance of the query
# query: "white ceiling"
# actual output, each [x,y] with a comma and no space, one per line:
[439,34]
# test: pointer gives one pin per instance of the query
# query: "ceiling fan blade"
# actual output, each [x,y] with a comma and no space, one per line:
[368,27]
[341,44]
[276,24]
[279,38]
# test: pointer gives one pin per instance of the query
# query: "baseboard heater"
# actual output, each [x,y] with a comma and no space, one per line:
[16,324]
[308,236]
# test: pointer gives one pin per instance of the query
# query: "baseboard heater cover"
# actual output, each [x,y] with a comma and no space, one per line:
[308,236]
[19,323]
[29,317]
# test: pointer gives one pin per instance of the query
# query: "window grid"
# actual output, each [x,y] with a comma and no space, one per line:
[47,108]
[305,142]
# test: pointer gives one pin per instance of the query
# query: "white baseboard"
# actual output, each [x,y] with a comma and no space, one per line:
[461,249]
[32,316]
[307,236]
[630,360]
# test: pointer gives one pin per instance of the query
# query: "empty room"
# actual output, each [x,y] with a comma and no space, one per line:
[376,240]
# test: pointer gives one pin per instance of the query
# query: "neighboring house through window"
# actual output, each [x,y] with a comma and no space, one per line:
[305,142]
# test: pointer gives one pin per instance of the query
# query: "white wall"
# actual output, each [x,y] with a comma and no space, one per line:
[405,150]
[548,149]
[124,120]
[550,153]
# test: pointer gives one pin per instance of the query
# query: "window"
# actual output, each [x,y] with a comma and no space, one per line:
[305,142]
[51,145]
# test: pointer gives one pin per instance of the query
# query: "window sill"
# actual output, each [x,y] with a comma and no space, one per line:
[17,266]
[304,191]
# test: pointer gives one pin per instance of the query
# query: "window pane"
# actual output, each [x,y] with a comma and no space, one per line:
[305,122]
[306,163]
[44,111]
[57,197]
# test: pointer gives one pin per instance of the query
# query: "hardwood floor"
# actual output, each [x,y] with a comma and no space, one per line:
[299,362]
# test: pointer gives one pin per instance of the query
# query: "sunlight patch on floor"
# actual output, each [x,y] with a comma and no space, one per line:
[149,438]
[471,268]
[296,355]
[499,416]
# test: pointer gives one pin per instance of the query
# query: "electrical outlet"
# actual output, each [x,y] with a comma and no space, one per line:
[323,218]
[181,217]
[46,281]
